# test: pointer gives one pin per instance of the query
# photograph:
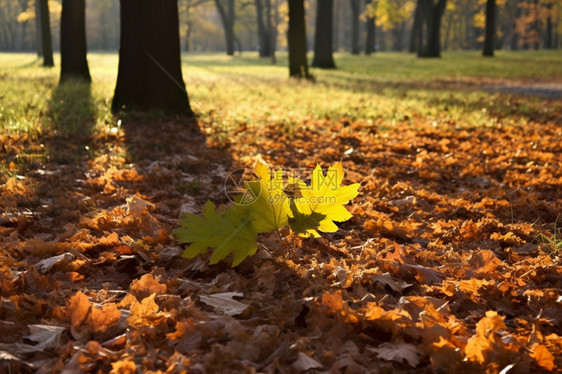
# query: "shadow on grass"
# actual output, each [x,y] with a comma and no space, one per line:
[73,117]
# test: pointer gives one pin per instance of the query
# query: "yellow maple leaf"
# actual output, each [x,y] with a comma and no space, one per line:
[326,197]
[269,205]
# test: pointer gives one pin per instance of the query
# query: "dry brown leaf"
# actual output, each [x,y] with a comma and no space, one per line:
[478,346]
[147,285]
[398,352]
[123,367]
[543,357]
[143,310]
[101,319]
[224,302]
[79,307]
[304,363]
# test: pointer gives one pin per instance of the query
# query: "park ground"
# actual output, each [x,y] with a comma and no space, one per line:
[451,262]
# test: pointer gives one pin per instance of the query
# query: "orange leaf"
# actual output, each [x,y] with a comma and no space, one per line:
[333,301]
[101,319]
[147,285]
[544,358]
[481,343]
[79,307]
[111,240]
[141,311]
[123,367]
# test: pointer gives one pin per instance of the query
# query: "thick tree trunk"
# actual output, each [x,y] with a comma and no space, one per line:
[416,35]
[227,18]
[264,29]
[355,11]
[149,75]
[433,13]
[370,39]
[323,38]
[46,43]
[489,39]
[296,36]
[73,41]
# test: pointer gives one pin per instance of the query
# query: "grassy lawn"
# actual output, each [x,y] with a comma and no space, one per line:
[385,88]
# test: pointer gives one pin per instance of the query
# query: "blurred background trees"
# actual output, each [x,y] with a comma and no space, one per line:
[255,25]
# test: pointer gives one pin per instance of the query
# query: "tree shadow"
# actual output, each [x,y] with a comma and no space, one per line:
[72,112]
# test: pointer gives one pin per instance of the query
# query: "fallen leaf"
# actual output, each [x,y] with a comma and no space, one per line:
[79,307]
[480,344]
[123,367]
[101,318]
[140,312]
[147,285]
[224,302]
[543,357]
[46,336]
[398,352]
[304,363]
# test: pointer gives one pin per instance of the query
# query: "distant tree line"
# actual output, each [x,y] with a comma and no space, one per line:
[358,26]
[149,72]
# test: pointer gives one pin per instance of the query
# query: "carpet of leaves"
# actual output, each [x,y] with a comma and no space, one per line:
[439,270]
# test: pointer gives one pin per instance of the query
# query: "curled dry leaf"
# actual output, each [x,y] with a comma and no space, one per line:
[142,311]
[147,285]
[225,303]
[305,363]
[398,352]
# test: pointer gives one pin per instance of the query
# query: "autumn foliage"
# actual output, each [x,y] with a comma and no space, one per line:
[438,270]
[440,250]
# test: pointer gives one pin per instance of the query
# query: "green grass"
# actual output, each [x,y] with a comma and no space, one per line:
[552,243]
[384,88]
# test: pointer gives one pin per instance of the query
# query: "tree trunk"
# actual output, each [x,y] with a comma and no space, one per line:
[355,26]
[416,35]
[536,31]
[323,38]
[227,18]
[46,43]
[73,41]
[548,44]
[273,21]
[38,42]
[370,39]
[264,29]
[296,36]
[514,41]
[337,29]
[433,13]
[149,75]
[398,34]
[489,40]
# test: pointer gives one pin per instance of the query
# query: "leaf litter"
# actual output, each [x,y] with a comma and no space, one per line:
[438,270]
